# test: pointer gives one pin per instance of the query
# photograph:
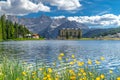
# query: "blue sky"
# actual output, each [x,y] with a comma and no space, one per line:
[103,13]
[88,8]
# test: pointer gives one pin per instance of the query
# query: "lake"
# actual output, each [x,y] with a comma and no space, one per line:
[47,51]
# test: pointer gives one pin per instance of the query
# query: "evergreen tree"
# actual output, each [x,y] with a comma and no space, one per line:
[16,30]
[12,30]
[3,22]
[0,30]
[9,30]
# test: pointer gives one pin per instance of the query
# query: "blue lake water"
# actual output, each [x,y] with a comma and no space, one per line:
[48,51]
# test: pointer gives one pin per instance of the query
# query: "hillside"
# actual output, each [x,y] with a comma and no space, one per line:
[46,26]
[52,33]
[49,27]
[101,32]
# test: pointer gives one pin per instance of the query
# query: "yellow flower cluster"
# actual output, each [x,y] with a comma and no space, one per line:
[80,63]
[24,73]
[101,77]
[60,56]
[72,69]
[89,61]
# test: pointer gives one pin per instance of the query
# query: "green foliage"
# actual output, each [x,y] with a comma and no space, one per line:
[111,31]
[10,30]
[0,31]
[102,32]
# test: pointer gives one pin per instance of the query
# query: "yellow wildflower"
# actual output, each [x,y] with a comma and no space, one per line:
[110,71]
[44,73]
[60,58]
[71,63]
[48,75]
[80,63]
[97,62]
[33,73]
[73,78]
[49,79]
[89,62]
[45,78]
[102,76]
[56,78]
[66,59]
[98,78]
[40,69]
[24,73]
[73,56]
[79,74]
[70,71]
[54,64]
[102,58]
[17,78]
[33,77]
[84,78]
[61,54]
[75,60]
[82,70]
[118,78]
[84,74]
[49,70]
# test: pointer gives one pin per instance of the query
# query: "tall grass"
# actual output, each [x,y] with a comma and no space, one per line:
[63,70]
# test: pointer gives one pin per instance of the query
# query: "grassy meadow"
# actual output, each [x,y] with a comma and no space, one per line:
[66,69]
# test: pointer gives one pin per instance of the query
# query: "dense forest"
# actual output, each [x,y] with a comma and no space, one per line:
[10,30]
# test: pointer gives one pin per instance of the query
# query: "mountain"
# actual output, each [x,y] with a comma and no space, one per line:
[46,26]
[57,22]
[52,33]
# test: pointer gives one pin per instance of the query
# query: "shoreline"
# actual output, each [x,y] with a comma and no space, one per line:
[82,39]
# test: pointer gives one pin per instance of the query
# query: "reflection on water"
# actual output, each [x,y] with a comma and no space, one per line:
[48,51]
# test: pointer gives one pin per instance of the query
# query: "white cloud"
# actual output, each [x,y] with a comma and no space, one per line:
[65,4]
[104,20]
[58,17]
[21,7]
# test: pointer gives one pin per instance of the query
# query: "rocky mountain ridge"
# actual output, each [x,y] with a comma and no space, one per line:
[46,26]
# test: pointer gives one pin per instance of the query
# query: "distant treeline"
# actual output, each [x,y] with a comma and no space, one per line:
[10,30]
[102,32]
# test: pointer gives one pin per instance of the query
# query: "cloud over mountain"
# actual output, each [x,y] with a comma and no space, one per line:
[65,4]
[104,20]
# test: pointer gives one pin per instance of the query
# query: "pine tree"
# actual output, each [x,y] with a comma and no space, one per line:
[3,23]
[10,30]
[0,30]
[16,30]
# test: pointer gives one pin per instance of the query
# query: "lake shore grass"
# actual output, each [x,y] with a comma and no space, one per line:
[87,39]
[106,38]
[84,39]
[23,39]
[70,70]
